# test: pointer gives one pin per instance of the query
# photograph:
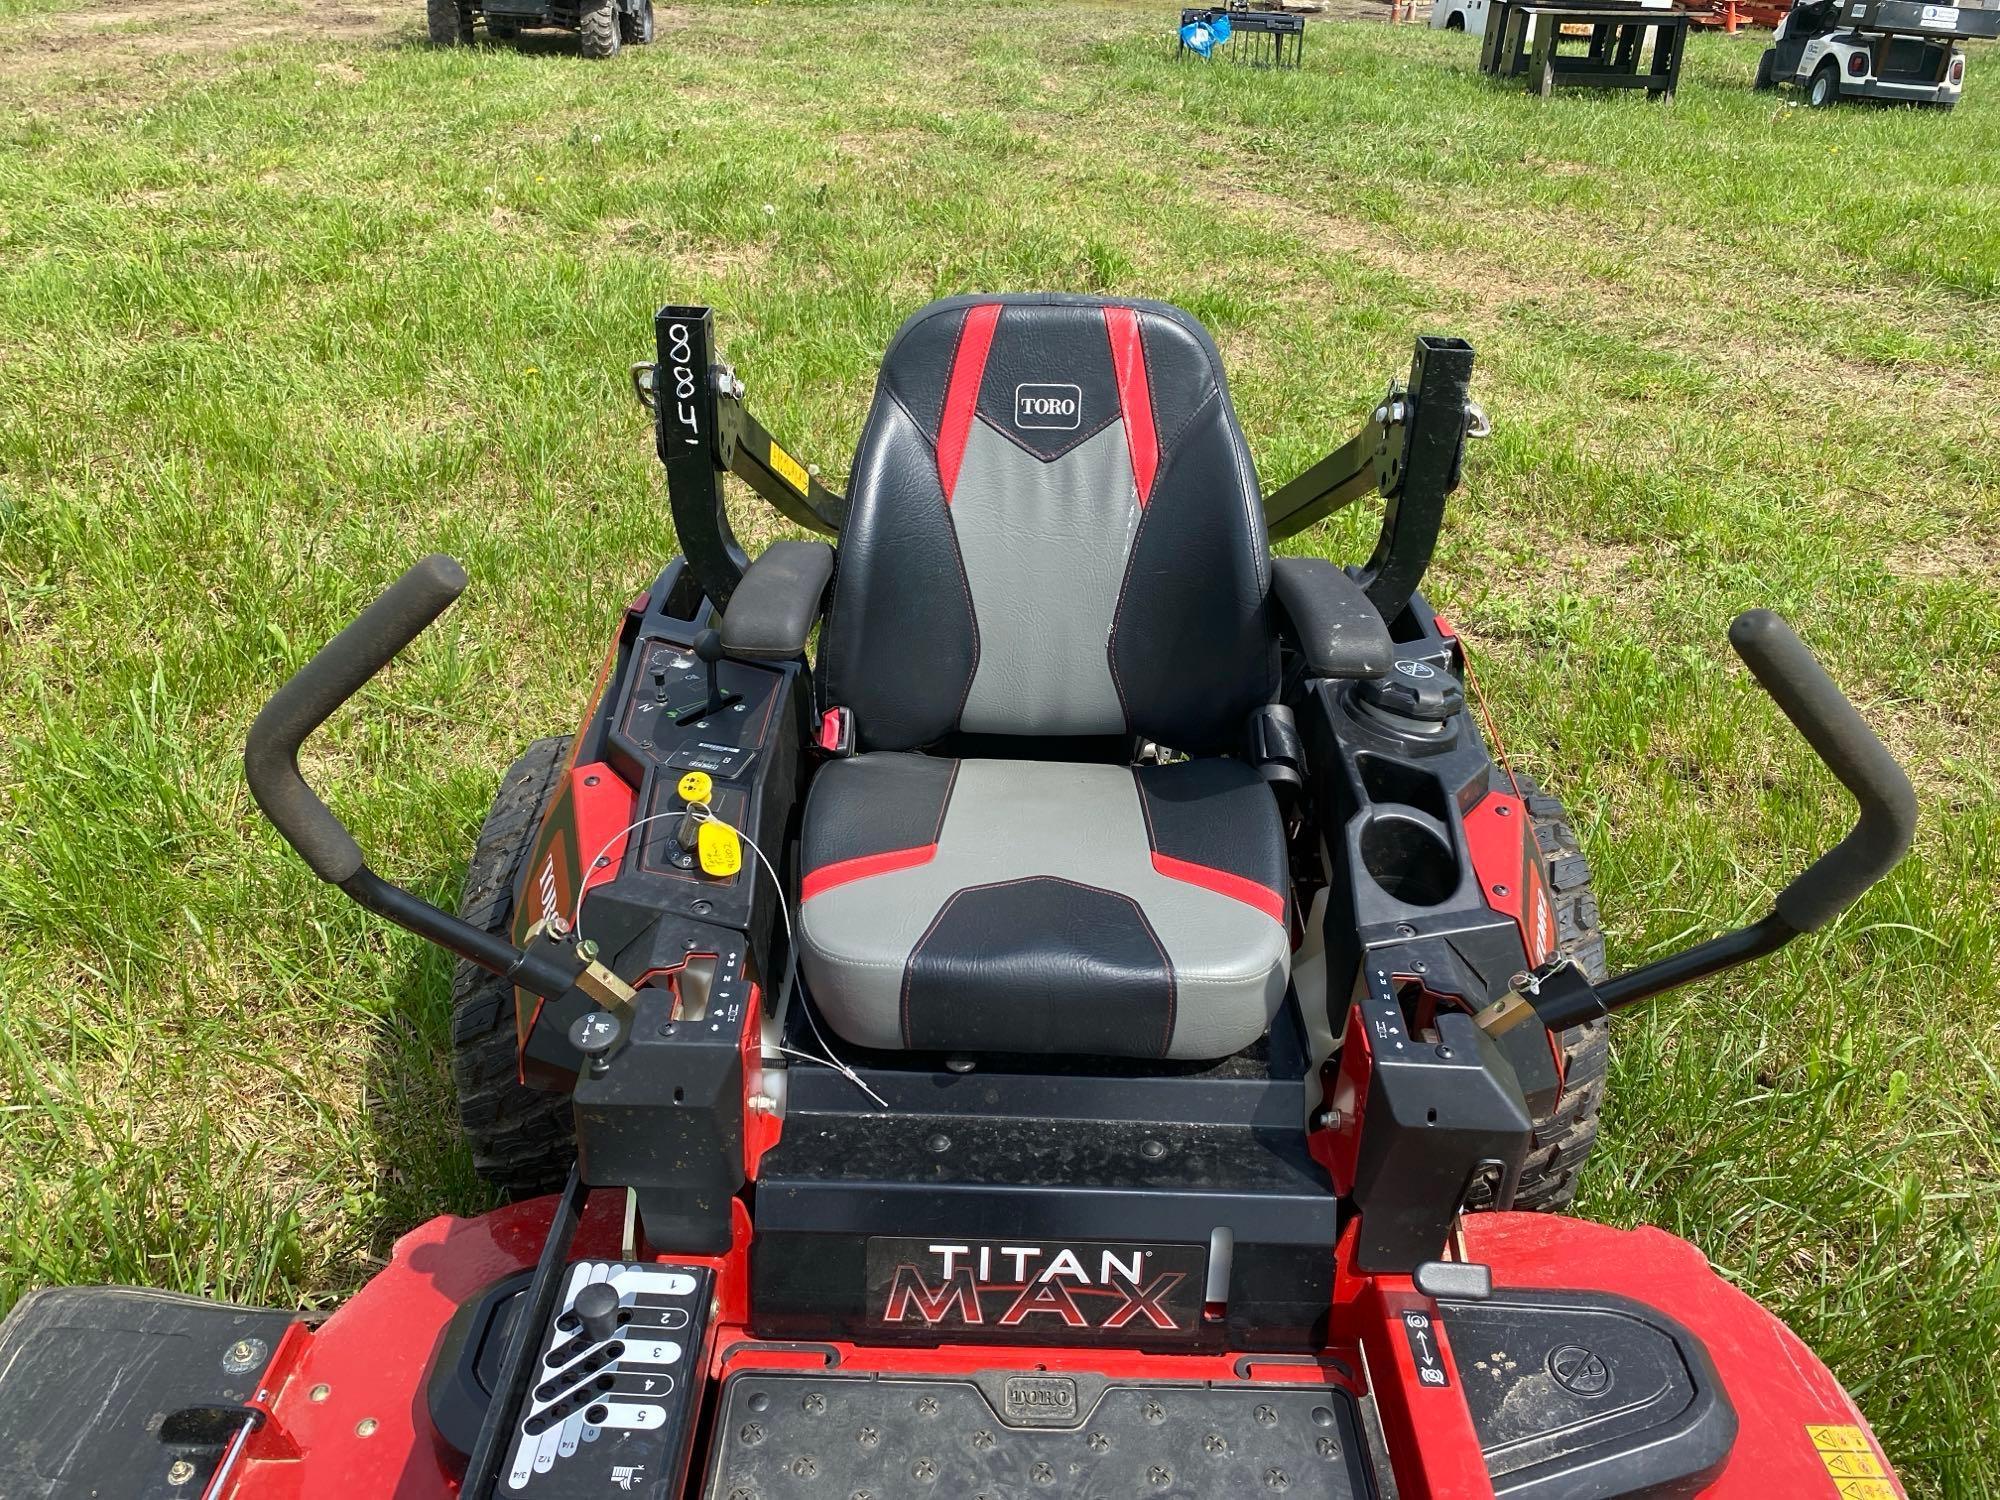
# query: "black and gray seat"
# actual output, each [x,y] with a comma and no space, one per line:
[1055,547]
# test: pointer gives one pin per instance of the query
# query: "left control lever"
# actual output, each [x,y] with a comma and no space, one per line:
[271,762]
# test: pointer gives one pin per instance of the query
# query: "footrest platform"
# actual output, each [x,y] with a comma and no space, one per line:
[1020,1435]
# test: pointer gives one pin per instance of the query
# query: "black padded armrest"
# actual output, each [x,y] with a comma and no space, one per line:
[774,607]
[1339,632]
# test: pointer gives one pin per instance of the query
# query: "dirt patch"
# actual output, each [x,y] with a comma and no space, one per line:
[141,31]
[1968,554]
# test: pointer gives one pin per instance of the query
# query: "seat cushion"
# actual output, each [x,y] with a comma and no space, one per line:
[1028,906]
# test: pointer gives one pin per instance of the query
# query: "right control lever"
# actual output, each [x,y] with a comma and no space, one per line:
[1560,996]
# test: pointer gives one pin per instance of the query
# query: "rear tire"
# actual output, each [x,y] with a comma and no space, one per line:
[522,1139]
[448,22]
[1563,1138]
[597,29]
[1824,90]
[1764,82]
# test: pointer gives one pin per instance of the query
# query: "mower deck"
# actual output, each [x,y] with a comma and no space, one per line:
[1606,1362]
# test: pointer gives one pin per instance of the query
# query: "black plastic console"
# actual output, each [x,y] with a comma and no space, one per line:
[615,1388]
[649,729]
[1589,1396]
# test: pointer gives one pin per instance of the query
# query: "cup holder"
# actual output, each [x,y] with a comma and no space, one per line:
[1408,857]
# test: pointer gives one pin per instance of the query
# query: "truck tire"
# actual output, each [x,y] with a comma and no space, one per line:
[636,25]
[1824,90]
[1563,1138]
[1455,21]
[597,28]
[448,22]
[1764,81]
[522,1139]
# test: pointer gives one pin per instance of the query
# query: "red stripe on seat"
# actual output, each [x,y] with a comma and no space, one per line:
[1135,396]
[841,871]
[1235,887]
[961,396]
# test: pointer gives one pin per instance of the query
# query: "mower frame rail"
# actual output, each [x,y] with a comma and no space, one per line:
[1412,451]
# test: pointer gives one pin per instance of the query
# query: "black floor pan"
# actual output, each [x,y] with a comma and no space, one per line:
[1020,1435]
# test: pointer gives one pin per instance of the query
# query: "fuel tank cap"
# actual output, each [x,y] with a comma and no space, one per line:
[1414,689]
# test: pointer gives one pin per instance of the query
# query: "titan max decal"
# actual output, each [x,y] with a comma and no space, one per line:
[1036,1290]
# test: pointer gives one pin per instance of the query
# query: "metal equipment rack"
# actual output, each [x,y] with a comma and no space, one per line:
[1257,38]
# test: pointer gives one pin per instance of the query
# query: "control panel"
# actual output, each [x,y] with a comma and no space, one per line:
[684,712]
[616,1385]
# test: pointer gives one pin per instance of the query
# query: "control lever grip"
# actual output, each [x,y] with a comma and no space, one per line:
[335,674]
[1788,671]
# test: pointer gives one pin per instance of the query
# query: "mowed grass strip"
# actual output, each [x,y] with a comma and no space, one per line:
[287,299]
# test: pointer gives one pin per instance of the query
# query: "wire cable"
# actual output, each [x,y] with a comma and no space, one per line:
[701,812]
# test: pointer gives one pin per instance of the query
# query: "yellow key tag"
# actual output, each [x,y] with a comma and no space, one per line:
[695,787]
[721,850]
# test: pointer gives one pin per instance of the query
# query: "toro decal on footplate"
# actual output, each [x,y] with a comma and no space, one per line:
[1038,1292]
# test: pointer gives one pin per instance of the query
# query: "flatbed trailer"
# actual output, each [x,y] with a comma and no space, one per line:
[1893,51]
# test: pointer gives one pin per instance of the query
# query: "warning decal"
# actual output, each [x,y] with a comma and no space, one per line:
[788,468]
[1851,1464]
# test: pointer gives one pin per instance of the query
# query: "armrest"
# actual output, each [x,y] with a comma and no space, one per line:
[1339,632]
[774,607]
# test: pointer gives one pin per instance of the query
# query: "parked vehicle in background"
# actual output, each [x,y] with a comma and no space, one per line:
[1459,15]
[1901,51]
[602,26]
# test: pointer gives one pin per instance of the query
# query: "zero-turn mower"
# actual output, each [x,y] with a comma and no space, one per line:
[1089,1028]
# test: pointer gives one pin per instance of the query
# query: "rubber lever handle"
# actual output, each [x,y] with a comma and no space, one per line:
[1842,739]
[271,754]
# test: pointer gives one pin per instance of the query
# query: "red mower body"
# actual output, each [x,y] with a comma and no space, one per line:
[348,1414]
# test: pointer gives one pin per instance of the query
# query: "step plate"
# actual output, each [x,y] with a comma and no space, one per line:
[1030,1436]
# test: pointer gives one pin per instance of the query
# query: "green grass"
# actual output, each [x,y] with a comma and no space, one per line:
[286,299]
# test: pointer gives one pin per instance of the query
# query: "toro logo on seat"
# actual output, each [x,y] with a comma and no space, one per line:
[1036,1292]
[1058,406]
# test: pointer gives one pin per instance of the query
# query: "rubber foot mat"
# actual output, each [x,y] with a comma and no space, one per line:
[1021,1436]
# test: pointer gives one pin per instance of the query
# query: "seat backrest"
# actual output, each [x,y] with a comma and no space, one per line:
[1054,529]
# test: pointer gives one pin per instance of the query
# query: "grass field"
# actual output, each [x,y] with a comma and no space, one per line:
[287,299]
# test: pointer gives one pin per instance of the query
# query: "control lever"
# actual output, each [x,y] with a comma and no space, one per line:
[708,646]
[271,763]
[1559,995]
[596,1308]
